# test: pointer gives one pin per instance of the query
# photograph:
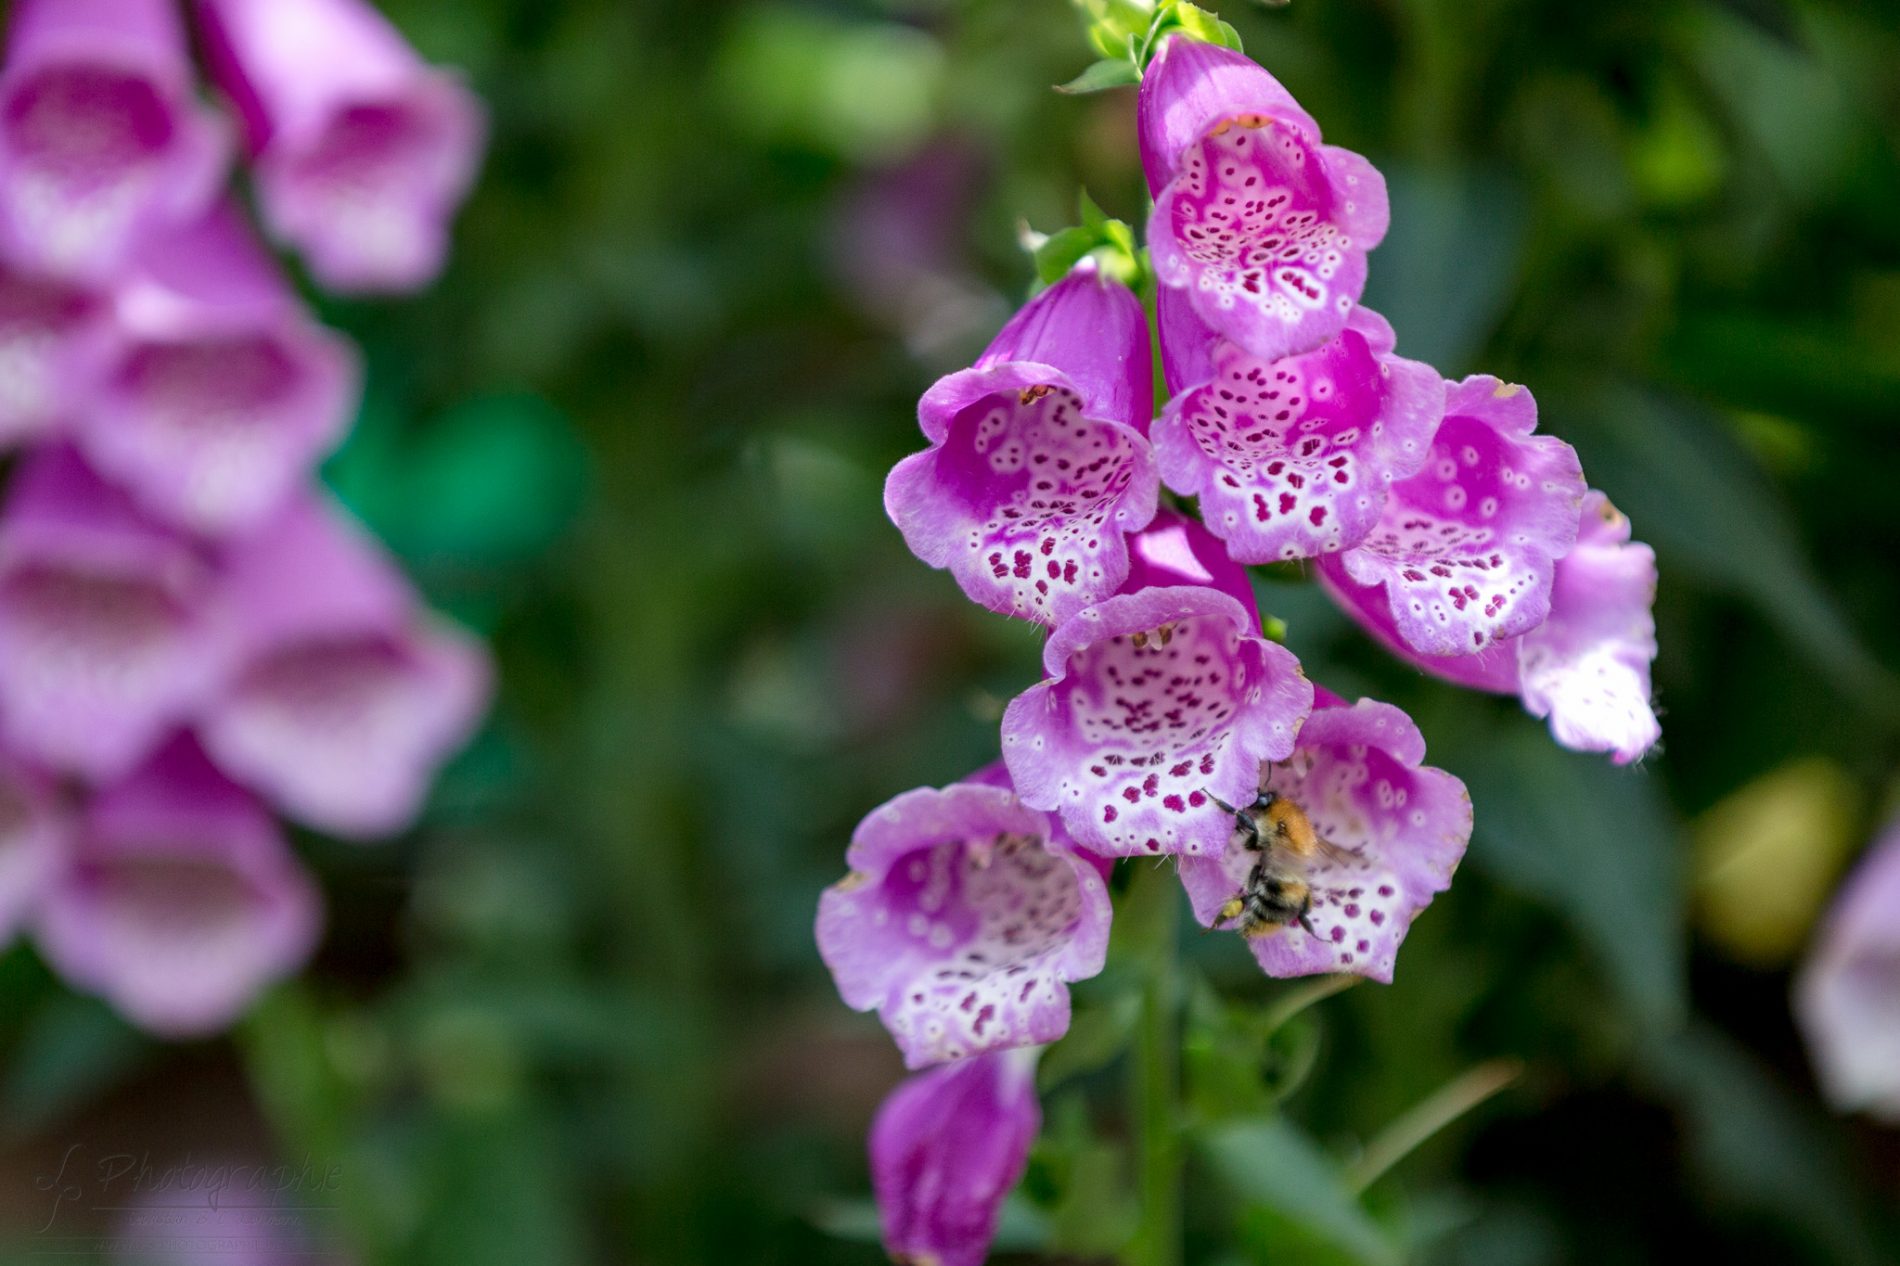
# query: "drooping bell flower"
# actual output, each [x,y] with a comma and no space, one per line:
[112,630]
[50,337]
[1466,549]
[1847,997]
[102,138]
[1391,831]
[1262,227]
[363,152]
[32,839]
[346,694]
[1586,667]
[218,395]
[1157,703]
[963,920]
[180,899]
[947,1148]
[1292,458]
[1039,463]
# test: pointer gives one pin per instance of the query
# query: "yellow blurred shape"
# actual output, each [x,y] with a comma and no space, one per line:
[1767,856]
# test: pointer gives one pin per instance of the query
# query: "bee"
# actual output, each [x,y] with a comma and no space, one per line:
[1276,892]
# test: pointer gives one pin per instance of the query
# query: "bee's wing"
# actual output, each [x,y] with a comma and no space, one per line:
[1331,854]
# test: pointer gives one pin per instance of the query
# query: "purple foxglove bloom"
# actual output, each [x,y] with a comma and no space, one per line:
[1586,667]
[218,395]
[963,920]
[363,152]
[1466,549]
[50,336]
[1847,997]
[111,627]
[181,899]
[947,1147]
[1292,458]
[346,694]
[1039,462]
[101,136]
[1262,227]
[1157,702]
[32,841]
[1396,830]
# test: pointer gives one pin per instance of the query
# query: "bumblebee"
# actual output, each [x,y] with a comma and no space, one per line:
[1276,892]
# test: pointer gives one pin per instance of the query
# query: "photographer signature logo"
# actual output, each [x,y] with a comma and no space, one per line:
[124,1182]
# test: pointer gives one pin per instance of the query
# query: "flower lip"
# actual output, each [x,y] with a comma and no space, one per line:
[1395,830]
[1466,548]
[1155,704]
[51,334]
[1292,458]
[1847,995]
[963,920]
[33,834]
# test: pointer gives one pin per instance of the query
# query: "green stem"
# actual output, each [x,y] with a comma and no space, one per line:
[1305,994]
[1430,1115]
[1156,1086]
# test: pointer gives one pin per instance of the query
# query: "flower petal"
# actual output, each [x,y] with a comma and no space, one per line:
[1466,549]
[1292,458]
[965,916]
[946,1148]
[1401,825]
[1189,87]
[1156,702]
[1847,997]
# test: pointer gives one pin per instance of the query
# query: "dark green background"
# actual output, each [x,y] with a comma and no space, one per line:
[637,436]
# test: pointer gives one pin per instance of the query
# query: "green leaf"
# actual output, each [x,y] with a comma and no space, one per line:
[1593,840]
[1272,1164]
[1114,72]
[1091,1212]
[1696,495]
[74,1049]
[1099,1031]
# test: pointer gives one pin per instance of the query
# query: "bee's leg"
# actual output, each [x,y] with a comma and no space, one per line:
[1307,923]
[1229,911]
[1221,804]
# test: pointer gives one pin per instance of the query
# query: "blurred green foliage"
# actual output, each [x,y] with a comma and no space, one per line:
[637,436]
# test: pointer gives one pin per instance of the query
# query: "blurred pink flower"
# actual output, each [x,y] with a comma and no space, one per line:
[946,1149]
[51,336]
[32,839]
[102,138]
[346,693]
[111,632]
[363,153]
[218,395]
[1847,997]
[180,899]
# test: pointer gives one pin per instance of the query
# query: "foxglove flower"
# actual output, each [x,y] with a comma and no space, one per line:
[1586,667]
[1292,458]
[1466,549]
[1395,830]
[346,694]
[1039,461]
[218,394]
[1847,997]
[963,920]
[50,335]
[101,137]
[31,841]
[1262,227]
[947,1147]
[181,899]
[111,627]
[363,152]
[1158,701]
